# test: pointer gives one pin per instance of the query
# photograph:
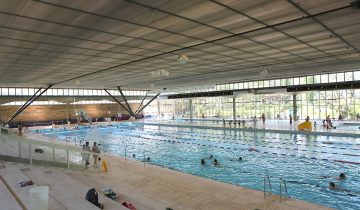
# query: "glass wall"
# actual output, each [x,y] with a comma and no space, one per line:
[315,104]
[68,92]
[319,104]
[289,81]
[272,105]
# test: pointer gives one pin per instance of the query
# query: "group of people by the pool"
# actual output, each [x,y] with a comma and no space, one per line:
[148,159]
[215,162]
[332,185]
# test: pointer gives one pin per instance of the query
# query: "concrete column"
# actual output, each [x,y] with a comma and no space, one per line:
[191,109]
[294,108]
[234,108]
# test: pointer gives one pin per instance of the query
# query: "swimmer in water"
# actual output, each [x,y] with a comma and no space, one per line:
[133,155]
[203,162]
[216,162]
[340,177]
[252,150]
[333,186]
[239,159]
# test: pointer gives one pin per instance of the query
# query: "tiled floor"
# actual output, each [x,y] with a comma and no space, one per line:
[158,188]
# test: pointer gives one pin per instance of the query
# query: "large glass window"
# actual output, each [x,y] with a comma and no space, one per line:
[324,78]
[332,77]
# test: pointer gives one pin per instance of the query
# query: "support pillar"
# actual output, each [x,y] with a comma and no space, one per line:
[142,101]
[191,109]
[151,100]
[126,103]
[130,113]
[294,108]
[234,108]
[28,103]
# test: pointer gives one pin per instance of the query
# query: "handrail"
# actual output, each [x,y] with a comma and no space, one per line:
[21,140]
[13,138]
[269,184]
[283,184]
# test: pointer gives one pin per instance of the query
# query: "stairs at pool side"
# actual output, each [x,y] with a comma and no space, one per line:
[65,192]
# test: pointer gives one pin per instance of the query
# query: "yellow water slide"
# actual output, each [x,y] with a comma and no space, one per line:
[305,126]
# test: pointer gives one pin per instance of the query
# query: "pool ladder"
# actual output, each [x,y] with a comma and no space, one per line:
[283,188]
[283,185]
[267,183]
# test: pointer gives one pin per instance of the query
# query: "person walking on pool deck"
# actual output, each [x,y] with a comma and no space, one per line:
[96,149]
[19,128]
[86,156]
[290,118]
[263,118]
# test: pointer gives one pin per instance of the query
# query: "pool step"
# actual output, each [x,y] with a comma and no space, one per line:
[70,192]
[8,200]
[12,176]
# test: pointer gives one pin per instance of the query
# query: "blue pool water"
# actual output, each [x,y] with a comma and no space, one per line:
[349,126]
[300,160]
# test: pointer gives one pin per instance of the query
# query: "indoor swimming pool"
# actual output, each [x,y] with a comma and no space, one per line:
[307,163]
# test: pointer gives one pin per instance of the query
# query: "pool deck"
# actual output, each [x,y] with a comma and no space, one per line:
[151,187]
[157,188]
[276,126]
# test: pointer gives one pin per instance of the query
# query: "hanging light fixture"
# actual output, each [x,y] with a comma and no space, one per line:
[264,72]
[183,59]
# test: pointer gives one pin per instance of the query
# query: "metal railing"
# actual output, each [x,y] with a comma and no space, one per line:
[283,185]
[267,181]
[50,153]
[283,192]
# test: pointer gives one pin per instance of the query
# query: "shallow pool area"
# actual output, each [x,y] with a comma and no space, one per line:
[307,163]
